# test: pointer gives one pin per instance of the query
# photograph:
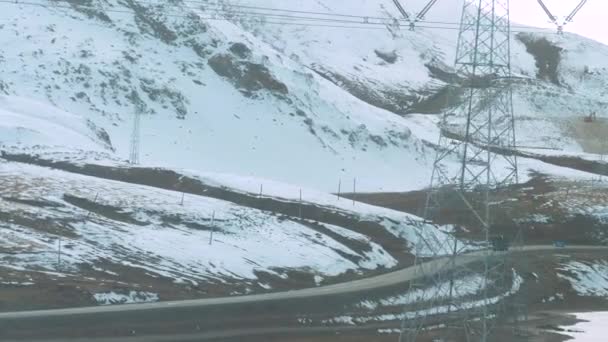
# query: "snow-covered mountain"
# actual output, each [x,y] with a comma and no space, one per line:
[306,105]
[234,107]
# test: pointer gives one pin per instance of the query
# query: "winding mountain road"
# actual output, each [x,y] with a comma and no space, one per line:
[362,285]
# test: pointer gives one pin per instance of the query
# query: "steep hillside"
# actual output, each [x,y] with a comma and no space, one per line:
[26,124]
[211,95]
[70,239]
[248,123]
[223,92]
[560,79]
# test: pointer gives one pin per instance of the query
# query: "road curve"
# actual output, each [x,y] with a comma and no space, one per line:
[246,333]
[361,285]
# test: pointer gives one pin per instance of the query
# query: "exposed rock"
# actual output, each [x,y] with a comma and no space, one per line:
[547,54]
[246,76]
[86,7]
[240,50]
[147,22]
[389,57]
[441,73]
[437,100]
[163,94]
[389,99]
[101,134]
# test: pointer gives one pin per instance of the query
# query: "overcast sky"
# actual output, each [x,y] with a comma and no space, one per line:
[591,21]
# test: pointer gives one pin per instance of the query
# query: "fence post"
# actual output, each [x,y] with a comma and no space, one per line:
[212,228]
[94,202]
[300,207]
[59,253]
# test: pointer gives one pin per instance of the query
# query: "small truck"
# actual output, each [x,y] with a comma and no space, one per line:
[499,243]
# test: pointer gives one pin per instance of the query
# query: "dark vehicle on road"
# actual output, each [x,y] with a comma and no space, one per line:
[499,244]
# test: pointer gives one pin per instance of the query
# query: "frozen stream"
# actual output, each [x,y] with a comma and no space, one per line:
[595,329]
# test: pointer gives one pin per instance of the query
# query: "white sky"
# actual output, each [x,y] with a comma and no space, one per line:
[591,21]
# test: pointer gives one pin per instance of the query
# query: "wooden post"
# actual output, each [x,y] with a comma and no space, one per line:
[182,201]
[339,188]
[261,189]
[300,208]
[94,202]
[212,228]
[59,253]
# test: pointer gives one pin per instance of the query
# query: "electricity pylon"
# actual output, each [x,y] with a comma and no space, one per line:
[135,137]
[454,300]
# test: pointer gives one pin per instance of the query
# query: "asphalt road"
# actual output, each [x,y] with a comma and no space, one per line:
[362,285]
[234,333]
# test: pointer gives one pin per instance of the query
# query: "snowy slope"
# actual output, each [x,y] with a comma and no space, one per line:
[28,124]
[587,279]
[245,104]
[304,105]
[354,58]
[113,225]
[167,69]
[560,79]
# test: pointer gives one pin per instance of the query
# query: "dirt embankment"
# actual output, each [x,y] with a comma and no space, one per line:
[544,210]
[547,54]
[571,162]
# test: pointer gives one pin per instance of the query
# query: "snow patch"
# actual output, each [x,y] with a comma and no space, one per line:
[110,298]
[430,293]
[26,123]
[592,329]
[586,278]
[389,331]
[149,229]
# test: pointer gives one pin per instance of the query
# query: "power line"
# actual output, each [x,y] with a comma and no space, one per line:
[361,18]
[244,16]
[569,18]
[226,9]
[417,17]
[294,11]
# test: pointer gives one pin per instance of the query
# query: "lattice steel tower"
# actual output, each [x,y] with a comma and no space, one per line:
[135,138]
[453,300]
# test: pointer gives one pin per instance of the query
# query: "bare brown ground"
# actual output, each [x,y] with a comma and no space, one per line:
[543,209]
[592,136]
[540,196]
[559,207]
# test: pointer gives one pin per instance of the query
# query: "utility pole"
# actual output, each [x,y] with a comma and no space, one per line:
[468,168]
[300,205]
[212,228]
[94,202]
[59,253]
